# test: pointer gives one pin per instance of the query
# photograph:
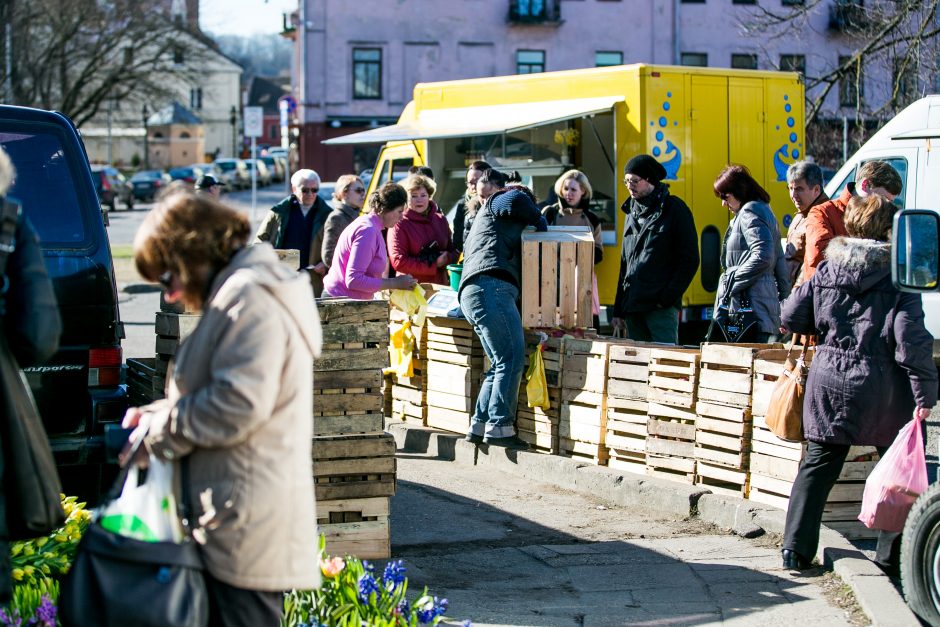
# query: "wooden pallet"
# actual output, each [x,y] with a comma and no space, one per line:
[354,466]
[454,369]
[356,527]
[722,446]
[557,286]
[584,451]
[348,410]
[583,415]
[679,469]
[670,443]
[539,427]
[552,356]
[627,405]
[673,377]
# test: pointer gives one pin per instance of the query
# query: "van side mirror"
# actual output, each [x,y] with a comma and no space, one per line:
[915,250]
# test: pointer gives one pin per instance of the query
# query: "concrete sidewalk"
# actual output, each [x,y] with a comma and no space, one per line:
[874,591]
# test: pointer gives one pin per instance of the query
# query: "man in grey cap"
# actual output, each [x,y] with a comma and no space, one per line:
[659,257]
[208,184]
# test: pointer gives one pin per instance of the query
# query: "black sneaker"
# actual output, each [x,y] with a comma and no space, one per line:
[794,562]
[511,442]
[474,439]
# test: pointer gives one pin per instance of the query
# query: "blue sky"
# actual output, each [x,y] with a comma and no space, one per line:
[243,17]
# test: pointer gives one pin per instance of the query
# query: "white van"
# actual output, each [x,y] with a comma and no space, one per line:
[906,142]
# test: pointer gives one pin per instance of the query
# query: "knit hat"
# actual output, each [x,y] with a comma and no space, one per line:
[646,167]
[507,200]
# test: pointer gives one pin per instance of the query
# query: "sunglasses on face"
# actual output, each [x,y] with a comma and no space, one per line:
[358,190]
[309,190]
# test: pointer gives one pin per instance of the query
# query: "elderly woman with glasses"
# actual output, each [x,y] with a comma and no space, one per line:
[350,193]
[238,404]
[297,223]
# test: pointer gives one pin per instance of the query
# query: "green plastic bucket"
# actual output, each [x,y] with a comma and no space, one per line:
[455,269]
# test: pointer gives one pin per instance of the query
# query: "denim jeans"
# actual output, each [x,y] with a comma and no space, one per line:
[489,304]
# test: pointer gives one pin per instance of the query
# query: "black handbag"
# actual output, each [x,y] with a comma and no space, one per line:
[731,327]
[116,581]
[30,481]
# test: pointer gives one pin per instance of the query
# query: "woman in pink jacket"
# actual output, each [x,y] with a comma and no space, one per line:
[360,261]
[421,244]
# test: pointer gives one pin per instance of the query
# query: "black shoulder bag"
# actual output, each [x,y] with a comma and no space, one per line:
[731,327]
[30,480]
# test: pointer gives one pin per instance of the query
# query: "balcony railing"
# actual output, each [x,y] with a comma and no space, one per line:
[535,11]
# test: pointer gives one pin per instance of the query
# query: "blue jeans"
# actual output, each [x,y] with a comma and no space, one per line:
[489,304]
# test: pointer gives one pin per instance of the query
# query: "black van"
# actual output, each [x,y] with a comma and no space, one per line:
[80,389]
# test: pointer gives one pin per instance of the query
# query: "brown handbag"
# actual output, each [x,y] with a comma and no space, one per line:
[785,411]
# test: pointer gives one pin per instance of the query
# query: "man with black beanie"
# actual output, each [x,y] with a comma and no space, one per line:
[659,257]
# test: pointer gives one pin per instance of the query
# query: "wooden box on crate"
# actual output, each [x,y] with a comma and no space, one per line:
[354,475]
[723,417]
[627,406]
[670,444]
[557,271]
[454,368]
[171,328]
[583,417]
[409,394]
[537,426]
[140,375]
[347,381]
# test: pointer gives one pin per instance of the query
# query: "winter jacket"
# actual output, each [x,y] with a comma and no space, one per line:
[659,256]
[824,222]
[560,214]
[240,406]
[360,261]
[460,227]
[494,244]
[274,226]
[754,265]
[411,235]
[873,361]
[795,249]
[334,226]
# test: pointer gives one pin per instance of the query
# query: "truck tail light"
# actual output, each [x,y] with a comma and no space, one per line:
[104,366]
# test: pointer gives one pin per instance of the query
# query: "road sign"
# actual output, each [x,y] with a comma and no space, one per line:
[254,122]
[291,102]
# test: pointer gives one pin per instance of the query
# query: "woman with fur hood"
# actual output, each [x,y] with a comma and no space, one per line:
[872,369]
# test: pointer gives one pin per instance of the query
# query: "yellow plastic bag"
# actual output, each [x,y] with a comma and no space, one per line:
[536,388]
[401,348]
[412,302]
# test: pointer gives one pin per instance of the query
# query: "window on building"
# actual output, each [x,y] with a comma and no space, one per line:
[530,61]
[530,8]
[693,1]
[851,85]
[744,61]
[607,58]
[792,3]
[178,55]
[743,1]
[195,98]
[367,73]
[793,63]
[695,59]
[905,79]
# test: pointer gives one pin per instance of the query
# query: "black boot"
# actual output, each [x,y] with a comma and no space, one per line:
[794,562]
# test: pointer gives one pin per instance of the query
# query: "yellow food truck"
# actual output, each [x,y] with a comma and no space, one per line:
[693,120]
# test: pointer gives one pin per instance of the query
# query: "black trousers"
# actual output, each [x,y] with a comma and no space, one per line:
[237,607]
[818,472]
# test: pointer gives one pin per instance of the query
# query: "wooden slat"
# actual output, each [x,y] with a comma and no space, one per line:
[372,331]
[548,284]
[531,312]
[585,283]
[568,287]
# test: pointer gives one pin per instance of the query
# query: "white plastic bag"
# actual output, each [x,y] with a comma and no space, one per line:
[145,512]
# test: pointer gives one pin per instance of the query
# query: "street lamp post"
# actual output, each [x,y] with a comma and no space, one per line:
[146,114]
[233,119]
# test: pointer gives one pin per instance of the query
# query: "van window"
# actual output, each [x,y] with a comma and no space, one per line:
[898,163]
[398,169]
[46,183]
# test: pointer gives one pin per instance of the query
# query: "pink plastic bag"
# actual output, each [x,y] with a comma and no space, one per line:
[896,482]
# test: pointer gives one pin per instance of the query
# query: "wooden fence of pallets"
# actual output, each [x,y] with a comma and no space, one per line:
[557,286]
[670,443]
[627,406]
[454,368]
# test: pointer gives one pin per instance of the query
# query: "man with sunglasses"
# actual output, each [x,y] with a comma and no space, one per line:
[296,223]
[659,256]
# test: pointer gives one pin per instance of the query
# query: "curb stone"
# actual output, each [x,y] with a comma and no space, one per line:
[876,595]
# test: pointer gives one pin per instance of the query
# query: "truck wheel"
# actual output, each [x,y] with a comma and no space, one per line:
[920,557]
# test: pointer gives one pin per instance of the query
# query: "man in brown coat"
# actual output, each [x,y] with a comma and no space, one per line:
[804,180]
[826,221]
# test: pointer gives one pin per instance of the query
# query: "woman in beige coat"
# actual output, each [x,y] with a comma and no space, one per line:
[239,404]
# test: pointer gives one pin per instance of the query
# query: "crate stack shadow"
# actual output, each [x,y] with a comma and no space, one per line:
[353,458]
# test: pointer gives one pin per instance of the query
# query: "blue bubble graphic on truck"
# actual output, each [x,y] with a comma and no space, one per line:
[790,150]
[664,150]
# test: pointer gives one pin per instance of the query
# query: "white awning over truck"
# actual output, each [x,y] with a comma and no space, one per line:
[484,120]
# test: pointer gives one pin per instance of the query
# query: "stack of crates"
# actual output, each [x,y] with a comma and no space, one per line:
[583,418]
[171,327]
[535,425]
[454,370]
[409,394]
[627,406]
[670,444]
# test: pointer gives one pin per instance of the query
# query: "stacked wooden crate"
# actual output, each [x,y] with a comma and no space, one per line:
[535,425]
[140,376]
[583,418]
[723,417]
[627,406]
[670,444]
[557,267]
[454,369]
[353,460]
[171,328]
[409,394]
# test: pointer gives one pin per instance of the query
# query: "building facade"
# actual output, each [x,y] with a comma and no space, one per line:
[356,65]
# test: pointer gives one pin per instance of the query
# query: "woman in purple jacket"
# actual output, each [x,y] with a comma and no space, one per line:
[872,369]
[360,262]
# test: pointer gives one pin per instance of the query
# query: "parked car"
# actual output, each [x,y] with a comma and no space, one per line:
[111,187]
[235,173]
[148,183]
[326,193]
[189,174]
[274,167]
[263,175]
[79,391]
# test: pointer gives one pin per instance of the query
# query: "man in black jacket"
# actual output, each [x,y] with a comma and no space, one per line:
[659,256]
